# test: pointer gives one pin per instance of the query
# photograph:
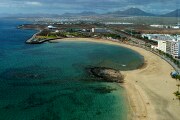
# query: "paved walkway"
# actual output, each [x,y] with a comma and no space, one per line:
[140,43]
[177,69]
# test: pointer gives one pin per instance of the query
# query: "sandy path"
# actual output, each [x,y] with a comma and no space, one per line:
[150,89]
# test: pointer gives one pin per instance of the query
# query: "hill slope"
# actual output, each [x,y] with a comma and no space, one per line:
[131,12]
[175,13]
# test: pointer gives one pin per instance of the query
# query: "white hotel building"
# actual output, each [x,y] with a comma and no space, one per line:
[168,44]
[171,47]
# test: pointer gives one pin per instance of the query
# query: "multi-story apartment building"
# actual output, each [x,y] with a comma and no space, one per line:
[162,45]
[175,49]
[166,43]
[171,47]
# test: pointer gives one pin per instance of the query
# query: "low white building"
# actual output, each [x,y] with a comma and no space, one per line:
[157,37]
[154,47]
[157,26]
[99,30]
[51,27]
[176,27]
[166,26]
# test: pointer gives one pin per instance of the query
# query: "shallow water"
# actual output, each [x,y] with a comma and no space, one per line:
[49,81]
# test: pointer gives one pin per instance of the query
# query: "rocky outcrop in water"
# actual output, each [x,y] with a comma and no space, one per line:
[40,40]
[106,74]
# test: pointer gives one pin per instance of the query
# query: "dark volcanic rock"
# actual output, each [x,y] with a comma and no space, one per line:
[106,74]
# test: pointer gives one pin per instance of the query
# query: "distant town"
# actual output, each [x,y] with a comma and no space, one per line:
[159,37]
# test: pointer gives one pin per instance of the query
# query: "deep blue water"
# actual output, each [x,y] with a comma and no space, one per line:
[49,81]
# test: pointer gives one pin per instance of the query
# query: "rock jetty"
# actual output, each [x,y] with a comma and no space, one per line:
[106,74]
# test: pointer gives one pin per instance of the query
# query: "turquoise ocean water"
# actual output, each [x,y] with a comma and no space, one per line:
[49,81]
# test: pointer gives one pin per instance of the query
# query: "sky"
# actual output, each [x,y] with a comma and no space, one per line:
[76,6]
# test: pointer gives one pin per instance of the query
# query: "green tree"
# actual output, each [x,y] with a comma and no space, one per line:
[178,85]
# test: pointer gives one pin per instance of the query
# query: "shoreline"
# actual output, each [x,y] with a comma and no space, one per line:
[149,88]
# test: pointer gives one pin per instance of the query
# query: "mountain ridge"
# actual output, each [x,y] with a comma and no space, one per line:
[124,13]
[175,13]
[131,12]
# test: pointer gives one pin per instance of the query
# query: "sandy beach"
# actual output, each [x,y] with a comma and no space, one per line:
[149,89]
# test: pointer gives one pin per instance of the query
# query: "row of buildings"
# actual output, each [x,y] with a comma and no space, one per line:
[167,43]
[93,30]
[166,26]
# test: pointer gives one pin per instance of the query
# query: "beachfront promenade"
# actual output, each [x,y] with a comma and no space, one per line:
[176,68]
[140,43]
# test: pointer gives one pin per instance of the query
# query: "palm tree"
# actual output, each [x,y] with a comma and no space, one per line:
[178,85]
[177,94]
[178,97]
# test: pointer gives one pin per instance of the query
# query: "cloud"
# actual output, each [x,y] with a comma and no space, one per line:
[61,6]
[33,3]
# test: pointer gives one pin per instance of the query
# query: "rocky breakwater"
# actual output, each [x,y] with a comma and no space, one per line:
[38,40]
[106,74]
[35,40]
